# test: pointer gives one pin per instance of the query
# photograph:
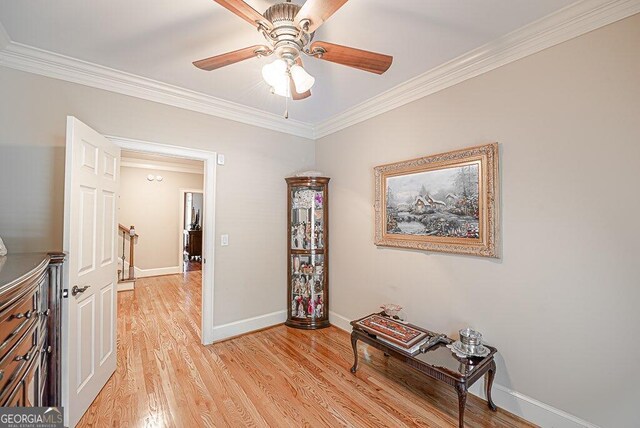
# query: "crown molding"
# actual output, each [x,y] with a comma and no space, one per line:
[567,23]
[160,166]
[4,37]
[33,60]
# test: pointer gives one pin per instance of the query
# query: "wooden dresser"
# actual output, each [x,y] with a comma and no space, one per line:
[194,243]
[30,293]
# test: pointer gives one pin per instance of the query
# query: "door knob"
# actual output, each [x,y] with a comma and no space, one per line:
[77,290]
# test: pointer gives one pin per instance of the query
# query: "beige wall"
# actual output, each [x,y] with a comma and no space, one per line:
[155,209]
[561,304]
[251,191]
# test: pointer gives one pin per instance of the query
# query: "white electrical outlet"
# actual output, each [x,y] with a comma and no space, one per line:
[224,240]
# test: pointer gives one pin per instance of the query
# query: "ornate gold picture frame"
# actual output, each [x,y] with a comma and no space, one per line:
[445,202]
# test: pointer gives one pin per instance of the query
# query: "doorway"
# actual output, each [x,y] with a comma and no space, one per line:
[191,220]
[208,159]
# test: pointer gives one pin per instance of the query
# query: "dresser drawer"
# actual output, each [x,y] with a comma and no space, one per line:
[16,320]
[17,397]
[14,362]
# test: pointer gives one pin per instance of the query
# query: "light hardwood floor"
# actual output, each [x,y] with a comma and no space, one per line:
[279,377]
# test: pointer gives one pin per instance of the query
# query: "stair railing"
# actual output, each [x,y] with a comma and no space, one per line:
[130,234]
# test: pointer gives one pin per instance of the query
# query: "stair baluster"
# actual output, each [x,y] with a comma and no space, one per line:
[128,233]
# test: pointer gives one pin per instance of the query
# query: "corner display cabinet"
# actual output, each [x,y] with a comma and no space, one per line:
[308,256]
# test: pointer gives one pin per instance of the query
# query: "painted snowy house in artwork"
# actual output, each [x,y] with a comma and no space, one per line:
[420,205]
[435,203]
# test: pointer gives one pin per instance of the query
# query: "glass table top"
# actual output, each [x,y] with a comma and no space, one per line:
[440,356]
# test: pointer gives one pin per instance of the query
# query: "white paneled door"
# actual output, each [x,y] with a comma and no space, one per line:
[90,237]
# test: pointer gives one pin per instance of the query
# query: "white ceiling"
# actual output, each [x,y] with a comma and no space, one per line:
[159,39]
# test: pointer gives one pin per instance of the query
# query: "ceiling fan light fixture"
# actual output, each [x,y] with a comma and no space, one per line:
[302,80]
[282,88]
[276,76]
[275,72]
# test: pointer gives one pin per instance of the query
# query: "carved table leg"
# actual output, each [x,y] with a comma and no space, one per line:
[491,374]
[354,345]
[462,401]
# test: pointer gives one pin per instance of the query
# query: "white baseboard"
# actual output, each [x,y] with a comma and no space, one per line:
[339,321]
[143,273]
[529,408]
[225,331]
[126,286]
[519,404]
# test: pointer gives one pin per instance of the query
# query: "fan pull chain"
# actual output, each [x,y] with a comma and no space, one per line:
[286,107]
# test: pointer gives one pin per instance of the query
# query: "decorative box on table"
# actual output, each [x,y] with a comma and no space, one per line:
[308,252]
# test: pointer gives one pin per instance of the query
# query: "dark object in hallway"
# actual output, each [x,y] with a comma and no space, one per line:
[194,244]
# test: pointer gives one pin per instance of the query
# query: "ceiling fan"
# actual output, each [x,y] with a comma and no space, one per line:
[289,29]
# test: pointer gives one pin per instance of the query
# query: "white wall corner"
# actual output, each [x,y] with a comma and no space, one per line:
[235,328]
[4,37]
[572,21]
[519,404]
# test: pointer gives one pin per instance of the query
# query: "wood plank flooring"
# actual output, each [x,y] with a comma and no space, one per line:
[279,377]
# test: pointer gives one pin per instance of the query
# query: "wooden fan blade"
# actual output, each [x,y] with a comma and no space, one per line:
[296,96]
[244,11]
[317,12]
[352,57]
[230,57]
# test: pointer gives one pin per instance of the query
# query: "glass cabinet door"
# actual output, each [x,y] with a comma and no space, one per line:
[307,218]
[307,287]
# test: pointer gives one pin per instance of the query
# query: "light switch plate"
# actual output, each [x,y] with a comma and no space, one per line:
[220,159]
[224,240]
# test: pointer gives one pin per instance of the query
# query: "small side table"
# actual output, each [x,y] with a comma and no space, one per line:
[438,362]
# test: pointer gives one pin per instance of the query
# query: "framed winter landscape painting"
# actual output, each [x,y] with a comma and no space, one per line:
[445,202]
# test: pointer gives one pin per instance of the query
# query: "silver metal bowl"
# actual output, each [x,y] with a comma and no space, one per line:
[470,337]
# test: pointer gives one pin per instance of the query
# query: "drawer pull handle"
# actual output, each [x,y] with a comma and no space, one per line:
[26,315]
[25,357]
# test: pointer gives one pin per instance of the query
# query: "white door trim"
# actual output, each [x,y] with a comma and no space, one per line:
[208,220]
[181,193]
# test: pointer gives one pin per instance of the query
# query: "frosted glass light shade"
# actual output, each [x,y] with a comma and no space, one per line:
[302,80]
[282,87]
[275,74]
